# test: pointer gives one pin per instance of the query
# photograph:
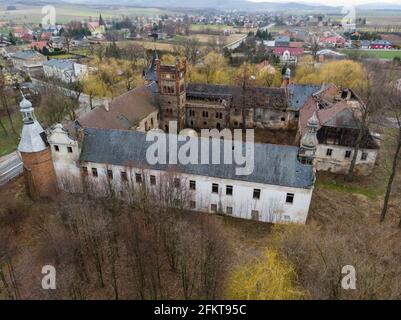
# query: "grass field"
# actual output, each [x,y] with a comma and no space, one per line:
[375,54]
[9,142]
[65,13]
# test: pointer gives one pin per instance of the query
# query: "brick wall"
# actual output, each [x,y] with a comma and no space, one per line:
[39,174]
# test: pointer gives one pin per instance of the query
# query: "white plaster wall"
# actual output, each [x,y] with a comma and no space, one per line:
[271,205]
[65,164]
[337,161]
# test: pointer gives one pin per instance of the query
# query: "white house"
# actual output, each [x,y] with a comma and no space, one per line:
[65,70]
[279,189]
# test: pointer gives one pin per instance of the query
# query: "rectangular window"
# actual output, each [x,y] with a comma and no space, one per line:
[215,188]
[289,198]
[229,210]
[69,149]
[177,182]
[85,171]
[138,177]
[192,184]
[56,148]
[255,215]
[364,156]
[229,190]
[192,204]
[153,180]
[256,193]
[94,172]
[348,154]
[329,152]
[213,207]
[124,176]
[110,174]
[287,218]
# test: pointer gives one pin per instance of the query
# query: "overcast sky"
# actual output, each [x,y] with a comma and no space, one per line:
[335,2]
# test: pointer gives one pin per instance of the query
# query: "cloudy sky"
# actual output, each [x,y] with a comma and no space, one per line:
[336,2]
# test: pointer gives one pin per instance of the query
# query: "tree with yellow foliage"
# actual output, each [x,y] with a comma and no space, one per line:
[343,73]
[94,87]
[268,277]
[268,77]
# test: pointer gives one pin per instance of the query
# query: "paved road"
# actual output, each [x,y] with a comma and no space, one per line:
[10,167]
[236,43]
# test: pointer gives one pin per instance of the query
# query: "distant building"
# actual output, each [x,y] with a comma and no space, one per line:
[381,44]
[282,41]
[65,70]
[335,41]
[327,54]
[38,45]
[29,61]
[287,55]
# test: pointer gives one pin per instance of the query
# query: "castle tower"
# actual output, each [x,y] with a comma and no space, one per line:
[309,142]
[40,177]
[171,93]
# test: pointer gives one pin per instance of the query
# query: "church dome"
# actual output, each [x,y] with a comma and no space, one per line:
[25,104]
[313,121]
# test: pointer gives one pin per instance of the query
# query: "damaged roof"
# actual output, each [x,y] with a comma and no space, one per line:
[254,96]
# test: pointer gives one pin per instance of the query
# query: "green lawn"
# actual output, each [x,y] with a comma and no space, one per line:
[339,186]
[9,142]
[377,54]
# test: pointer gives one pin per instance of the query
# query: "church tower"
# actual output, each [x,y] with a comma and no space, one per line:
[39,174]
[171,93]
[309,142]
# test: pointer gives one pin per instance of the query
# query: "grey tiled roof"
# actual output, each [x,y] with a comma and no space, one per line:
[273,164]
[299,94]
[26,54]
[59,64]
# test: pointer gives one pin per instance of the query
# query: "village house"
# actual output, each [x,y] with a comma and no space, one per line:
[29,61]
[327,54]
[65,70]
[332,42]
[381,44]
[288,56]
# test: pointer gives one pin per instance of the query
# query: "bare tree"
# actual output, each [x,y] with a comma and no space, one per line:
[367,99]
[391,104]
